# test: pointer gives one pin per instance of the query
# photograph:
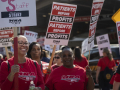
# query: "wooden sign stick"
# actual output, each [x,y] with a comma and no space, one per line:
[51,60]
[6,49]
[16,57]
[89,57]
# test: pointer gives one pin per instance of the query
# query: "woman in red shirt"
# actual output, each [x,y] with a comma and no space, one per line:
[26,70]
[106,61]
[79,59]
[69,76]
[57,59]
[34,53]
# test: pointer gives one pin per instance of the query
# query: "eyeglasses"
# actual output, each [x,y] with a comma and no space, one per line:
[57,57]
[21,43]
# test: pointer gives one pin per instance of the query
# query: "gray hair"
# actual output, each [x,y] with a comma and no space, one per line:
[12,39]
[1,55]
[107,51]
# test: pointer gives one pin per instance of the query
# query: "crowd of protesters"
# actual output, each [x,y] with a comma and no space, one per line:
[70,69]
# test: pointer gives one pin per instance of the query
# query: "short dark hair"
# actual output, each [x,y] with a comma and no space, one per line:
[30,48]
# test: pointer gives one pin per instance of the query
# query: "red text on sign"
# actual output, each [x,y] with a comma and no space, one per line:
[16,6]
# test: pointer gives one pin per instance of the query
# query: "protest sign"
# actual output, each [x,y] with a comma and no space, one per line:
[103,42]
[118,32]
[5,36]
[95,12]
[15,13]
[85,46]
[31,36]
[41,41]
[50,49]
[60,24]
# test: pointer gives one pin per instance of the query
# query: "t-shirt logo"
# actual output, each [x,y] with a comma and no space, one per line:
[27,76]
[71,78]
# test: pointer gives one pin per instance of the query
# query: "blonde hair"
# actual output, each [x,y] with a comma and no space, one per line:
[107,51]
[59,52]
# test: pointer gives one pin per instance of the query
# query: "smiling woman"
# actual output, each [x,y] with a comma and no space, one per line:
[68,76]
[26,70]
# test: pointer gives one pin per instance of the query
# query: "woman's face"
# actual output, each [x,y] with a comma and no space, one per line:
[104,54]
[36,51]
[23,46]
[57,58]
[67,59]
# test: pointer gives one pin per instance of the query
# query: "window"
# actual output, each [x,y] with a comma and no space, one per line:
[94,55]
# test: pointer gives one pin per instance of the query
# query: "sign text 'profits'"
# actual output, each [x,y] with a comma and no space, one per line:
[60,24]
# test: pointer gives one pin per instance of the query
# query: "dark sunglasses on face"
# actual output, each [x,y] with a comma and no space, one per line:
[22,43]
[57,57]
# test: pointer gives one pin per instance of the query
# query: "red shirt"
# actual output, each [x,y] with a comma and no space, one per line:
[83,63]
[112,80]
[28,71]
[103,62]
[67,79]
[54,67]
[44,66]
[117,75]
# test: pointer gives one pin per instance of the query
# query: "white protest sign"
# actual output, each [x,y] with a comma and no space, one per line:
[95,12]
[60,24]
[50,48]
[5,36]
[17,13]
[41,41]
[85,46]
[31,36]
[118,31]
[103,42]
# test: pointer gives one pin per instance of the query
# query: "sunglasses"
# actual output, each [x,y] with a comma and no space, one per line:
[57,57]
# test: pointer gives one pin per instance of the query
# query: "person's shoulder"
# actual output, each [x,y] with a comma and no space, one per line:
[58,69]
[79,68]
[53,65]
[10,61]
[101,59]
[30,60]
[112,60]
